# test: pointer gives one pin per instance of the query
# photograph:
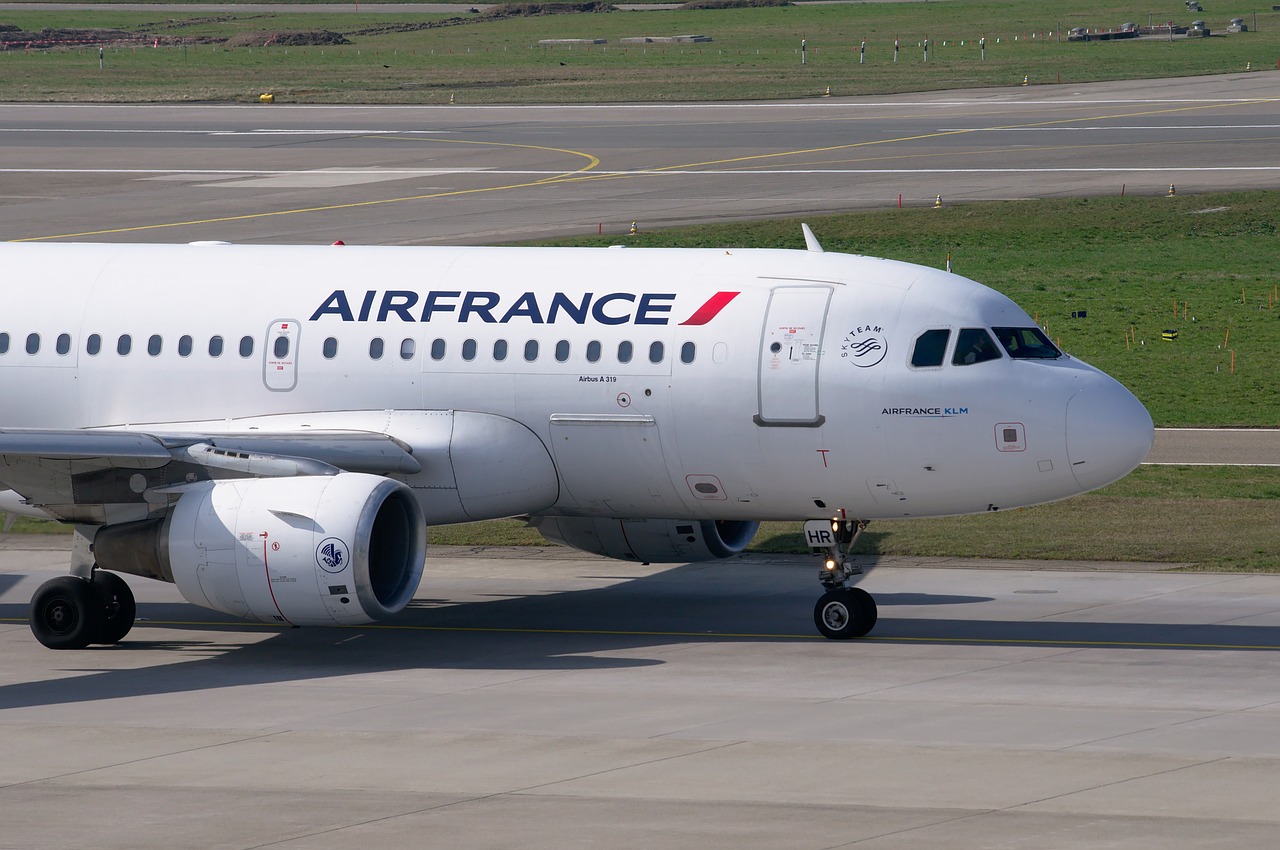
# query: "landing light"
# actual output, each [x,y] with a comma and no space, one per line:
[830,565]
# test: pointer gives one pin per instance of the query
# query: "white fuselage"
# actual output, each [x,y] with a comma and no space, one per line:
[703,384]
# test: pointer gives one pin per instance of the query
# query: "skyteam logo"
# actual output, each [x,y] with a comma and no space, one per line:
[603,308]
[332,555]
[865,345]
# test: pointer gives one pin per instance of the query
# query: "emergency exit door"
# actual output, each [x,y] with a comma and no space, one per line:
[791,355]
[280,356]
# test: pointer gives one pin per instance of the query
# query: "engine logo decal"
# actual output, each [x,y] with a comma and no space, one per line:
[332,555]
[865,345]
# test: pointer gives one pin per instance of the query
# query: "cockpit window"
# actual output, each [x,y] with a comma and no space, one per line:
[974,345]
[1027,344]
[931,348]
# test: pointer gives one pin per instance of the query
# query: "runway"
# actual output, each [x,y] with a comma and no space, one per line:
[538,699]
[545,699]
[464,174]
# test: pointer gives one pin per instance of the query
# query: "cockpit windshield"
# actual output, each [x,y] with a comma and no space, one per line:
[1027,344]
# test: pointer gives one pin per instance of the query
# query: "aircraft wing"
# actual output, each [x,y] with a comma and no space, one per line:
[95,476]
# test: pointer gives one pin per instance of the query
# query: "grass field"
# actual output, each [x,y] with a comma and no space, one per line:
[755,53]
[1125,262]
[1212,518]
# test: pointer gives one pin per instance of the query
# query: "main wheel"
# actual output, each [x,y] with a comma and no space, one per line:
[115,598]
[846,612]
[66,613]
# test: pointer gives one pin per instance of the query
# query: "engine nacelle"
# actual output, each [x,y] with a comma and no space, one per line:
[314,550]
[662,541]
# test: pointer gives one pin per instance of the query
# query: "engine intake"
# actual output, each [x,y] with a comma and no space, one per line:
[314,550]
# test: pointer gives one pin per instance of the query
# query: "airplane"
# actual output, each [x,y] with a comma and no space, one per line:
[271,428]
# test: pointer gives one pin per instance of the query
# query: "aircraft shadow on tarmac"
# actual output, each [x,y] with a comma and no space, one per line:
[556,631]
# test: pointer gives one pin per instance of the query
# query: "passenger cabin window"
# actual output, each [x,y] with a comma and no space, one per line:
[4,343]
[624,352]
[184,346]
[92,345]
[974,345]
[33,343]
[531,350]
[64,343]
[153,345]
[562,351]
[593,351]
[215,346]
[280,348]
[1027,344]
[330,349]
[500,350]
[468,350]
[124,345]
[656,352]
[246,346]
[687,352]
[375,348]
[931,348]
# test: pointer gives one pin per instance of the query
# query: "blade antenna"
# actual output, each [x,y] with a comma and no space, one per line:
[810,241]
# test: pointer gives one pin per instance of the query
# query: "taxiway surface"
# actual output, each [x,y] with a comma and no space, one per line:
[477,174]
[541,699]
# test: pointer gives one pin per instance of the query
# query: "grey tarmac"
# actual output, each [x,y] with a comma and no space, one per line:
[467,174]
[547,699]
[544,699]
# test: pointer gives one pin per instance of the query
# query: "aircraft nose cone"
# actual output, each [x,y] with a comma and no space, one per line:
[1109,432]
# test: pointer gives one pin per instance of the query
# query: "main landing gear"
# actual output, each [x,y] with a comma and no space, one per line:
[71,612]
[844,611]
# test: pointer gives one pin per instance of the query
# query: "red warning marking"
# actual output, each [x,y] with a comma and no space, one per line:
[711,309]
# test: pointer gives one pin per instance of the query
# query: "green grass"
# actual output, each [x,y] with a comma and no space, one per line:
[1211,518]
[755,54]
[1124,261]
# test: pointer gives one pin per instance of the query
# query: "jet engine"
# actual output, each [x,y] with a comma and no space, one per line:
[650,540]
[311,550]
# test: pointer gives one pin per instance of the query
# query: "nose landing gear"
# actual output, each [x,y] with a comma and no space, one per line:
[844,611]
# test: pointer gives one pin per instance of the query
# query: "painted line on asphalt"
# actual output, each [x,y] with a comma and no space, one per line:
[1082,644]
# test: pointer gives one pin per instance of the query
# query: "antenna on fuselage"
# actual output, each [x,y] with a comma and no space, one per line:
[810,241]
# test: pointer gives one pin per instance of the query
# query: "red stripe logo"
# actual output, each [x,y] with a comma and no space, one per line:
[711,309]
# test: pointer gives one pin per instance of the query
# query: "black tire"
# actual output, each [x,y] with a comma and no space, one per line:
[66,613]
[115,598]
[845,613]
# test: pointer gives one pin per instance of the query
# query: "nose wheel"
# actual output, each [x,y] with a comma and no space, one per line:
[844,611]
